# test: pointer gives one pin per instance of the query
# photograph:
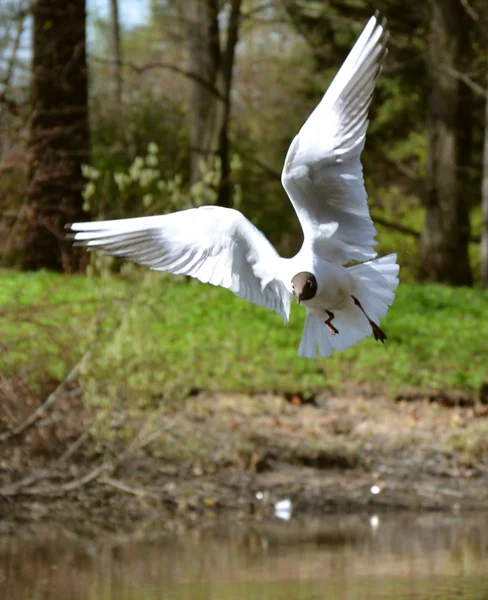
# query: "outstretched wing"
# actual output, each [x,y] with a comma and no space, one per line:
[215,245]
[323,175]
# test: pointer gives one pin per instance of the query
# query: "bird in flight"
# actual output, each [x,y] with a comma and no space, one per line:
[324,180]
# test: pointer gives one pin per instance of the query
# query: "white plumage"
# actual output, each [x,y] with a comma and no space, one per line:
[323,179]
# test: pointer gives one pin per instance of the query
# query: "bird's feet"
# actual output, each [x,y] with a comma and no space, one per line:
[328,323]
[379,334]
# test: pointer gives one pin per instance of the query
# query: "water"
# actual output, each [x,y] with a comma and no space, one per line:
[345,558]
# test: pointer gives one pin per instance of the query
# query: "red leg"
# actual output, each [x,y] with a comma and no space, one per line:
[379,335]
[328,323]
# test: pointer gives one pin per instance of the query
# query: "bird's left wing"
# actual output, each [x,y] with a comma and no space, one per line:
[215,245]
[323,174]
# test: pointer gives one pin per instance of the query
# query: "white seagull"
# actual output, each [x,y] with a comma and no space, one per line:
[324,181]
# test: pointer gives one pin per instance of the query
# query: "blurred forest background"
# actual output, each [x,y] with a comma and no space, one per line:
[122,108]
[188,102]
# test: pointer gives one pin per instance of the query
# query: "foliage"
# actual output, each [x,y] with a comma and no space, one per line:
[143,183]
[147,116]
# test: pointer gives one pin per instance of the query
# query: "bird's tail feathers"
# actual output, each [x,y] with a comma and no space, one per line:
[374,287]
[376,282]
[316,336]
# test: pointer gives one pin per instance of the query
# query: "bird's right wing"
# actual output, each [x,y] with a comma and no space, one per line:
[214,244]
[323,175]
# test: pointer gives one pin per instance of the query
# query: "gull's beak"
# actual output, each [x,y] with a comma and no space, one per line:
[299,298]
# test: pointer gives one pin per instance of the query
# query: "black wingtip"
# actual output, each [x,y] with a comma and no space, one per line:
[68,225]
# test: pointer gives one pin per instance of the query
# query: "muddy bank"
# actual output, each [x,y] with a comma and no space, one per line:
[228,456]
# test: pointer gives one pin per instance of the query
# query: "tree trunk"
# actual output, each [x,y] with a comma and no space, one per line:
[202,31]
[447,230]
[210,102]
[226,71]
[116,52]
[484,204]
[59,134]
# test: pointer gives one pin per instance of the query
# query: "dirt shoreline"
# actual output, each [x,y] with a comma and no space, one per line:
[233,457]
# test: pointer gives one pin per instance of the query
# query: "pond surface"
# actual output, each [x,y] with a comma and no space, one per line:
[340,557]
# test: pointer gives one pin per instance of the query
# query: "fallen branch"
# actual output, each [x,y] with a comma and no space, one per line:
[88,478]
[55,490]
[429,490]
[123,487]
[13,489]
[52,398]
[76,445]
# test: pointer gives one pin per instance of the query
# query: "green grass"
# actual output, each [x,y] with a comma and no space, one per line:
[158,337]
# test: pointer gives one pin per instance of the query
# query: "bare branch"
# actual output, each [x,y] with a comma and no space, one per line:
[481,24]
[166,66]
[265,166]
[470,10]
[474,239]
[475,87]
[12,107]
[396,226]
[248,14]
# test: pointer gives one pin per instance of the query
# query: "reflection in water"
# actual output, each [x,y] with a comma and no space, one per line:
[344,558]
